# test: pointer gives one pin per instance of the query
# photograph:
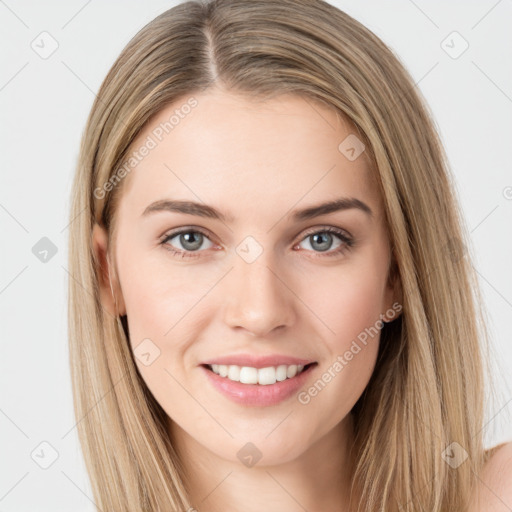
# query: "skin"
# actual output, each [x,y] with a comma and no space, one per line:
[258,161]
[493,492]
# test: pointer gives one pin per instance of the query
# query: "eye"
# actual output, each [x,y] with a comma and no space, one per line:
[190,240]
[321,240]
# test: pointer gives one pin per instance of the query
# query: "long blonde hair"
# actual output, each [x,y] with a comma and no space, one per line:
[427,390]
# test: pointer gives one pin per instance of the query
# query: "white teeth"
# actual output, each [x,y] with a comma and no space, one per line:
[281,372]
[267,376]
[262,376]
[248,375]
[234,373]
[291,371]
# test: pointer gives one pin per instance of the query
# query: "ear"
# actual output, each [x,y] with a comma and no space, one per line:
[110,291]
[393,293]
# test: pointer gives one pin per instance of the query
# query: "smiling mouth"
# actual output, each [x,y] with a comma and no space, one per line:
[259,376]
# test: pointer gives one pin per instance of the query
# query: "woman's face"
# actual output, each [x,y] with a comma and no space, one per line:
[258,278]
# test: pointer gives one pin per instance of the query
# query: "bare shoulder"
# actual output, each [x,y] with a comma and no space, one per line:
[495,484]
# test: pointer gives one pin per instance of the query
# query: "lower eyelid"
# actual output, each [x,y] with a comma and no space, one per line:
[346,242]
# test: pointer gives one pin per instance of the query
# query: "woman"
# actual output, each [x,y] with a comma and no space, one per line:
[274,306]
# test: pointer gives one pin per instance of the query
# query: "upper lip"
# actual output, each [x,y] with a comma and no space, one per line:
[257,361]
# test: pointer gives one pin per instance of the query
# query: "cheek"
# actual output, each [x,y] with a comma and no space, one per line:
[158,296]
[167,309]
[163,310]
[350,305]
[351,310]
[347,303]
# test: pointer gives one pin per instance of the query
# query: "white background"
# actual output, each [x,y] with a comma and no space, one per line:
[44,106]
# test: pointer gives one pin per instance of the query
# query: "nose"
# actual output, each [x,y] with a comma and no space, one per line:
[258,298]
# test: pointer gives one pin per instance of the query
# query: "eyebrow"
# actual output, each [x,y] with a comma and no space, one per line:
[204,210]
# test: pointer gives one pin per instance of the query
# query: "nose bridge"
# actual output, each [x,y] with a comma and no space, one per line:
[258,299]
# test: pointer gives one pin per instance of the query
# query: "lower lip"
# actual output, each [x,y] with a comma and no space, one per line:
[257,395]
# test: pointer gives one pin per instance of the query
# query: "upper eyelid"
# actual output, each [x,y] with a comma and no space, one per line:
[307,232]
[325,227]
[179,231]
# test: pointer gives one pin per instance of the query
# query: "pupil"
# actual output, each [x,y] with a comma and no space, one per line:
[185,239]
[329,239]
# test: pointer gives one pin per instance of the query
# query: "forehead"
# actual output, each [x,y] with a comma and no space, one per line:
[248,156]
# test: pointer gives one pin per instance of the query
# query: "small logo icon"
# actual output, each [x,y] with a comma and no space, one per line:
[44,455]
[455,249]
[249,249]
[44,250]
[45,45]
[454,45]
[146,352]
[454,455]
[351,147]
[249,455]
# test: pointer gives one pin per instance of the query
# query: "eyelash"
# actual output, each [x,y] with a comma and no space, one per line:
[348,242]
